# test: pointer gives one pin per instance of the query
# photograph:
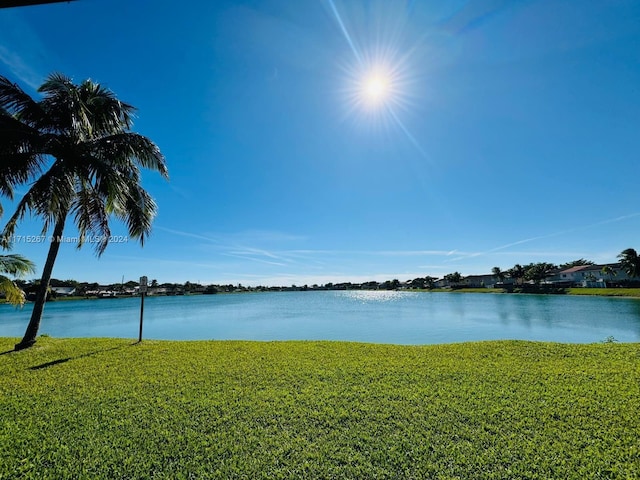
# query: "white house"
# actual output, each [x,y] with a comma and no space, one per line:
[590,275]
[63,291]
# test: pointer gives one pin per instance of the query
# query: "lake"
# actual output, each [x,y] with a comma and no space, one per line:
[362,316]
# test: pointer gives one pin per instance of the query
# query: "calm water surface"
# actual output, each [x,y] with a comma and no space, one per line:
[363,316]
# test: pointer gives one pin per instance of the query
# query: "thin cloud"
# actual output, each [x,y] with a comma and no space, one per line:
[188,234]
[255,252]
[23,52]
[550,235]
[476,14]
[145,261]
[183,193]
[254,259]
[19,68]
[564,254]
[240,238]
[414,253]
[390,253]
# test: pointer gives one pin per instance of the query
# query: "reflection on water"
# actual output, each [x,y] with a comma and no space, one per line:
[373,295]
[367,316]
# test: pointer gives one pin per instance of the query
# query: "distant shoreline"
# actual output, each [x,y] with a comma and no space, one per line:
[577,291]
[593,292]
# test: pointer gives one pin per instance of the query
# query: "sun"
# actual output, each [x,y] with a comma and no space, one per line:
[376,88]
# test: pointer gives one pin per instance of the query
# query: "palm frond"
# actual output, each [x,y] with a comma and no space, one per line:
[12,292]
[19,169]
[85,111]
[131,147]
[16,265]
[137,209]
[15,101]
[108,114]
[628,253]
[21,153]
[630,262]
[49,195]
[62,103]
[91,216]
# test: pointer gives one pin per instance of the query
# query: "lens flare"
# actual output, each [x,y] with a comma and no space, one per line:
[381,83]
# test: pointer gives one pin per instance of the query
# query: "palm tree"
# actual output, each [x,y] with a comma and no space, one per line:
[609,271]
[14,265]
[77,145]
[538,271]
[453,278]
[630,262]
[498,274]
[517,273]
[429,282]
[575,263]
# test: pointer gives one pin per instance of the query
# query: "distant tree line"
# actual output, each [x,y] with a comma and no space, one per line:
[537,272]
[532,273]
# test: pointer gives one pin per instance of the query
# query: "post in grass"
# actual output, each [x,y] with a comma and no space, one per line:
[143,291]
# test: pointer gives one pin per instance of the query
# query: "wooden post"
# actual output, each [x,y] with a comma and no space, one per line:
[143,291]
[141,315]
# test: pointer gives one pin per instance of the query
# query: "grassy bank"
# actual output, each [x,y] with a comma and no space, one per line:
[600,292]
[461,290]
[605,292]
[106,408]
[476,290]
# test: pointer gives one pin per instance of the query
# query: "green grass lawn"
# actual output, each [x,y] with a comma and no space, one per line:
[606,292]
[103,408]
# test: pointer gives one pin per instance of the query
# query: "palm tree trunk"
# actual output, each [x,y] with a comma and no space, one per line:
[41,295]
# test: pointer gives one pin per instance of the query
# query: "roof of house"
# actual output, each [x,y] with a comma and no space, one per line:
[575,269]
[600,267]
[590,267]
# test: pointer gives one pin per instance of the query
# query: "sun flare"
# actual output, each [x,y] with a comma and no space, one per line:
[381,84]
[376,88]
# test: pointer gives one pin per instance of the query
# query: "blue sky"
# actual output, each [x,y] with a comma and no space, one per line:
[508,133]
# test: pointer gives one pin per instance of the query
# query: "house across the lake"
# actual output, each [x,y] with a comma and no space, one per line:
[479,281]
[64,291]
[591,276]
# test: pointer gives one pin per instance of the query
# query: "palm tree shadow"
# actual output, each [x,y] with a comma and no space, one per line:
[65,360]
[8,351]
[49,364]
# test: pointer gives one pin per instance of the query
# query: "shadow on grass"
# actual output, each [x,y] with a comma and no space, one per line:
[49,364]
[65,360]
[8,351]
